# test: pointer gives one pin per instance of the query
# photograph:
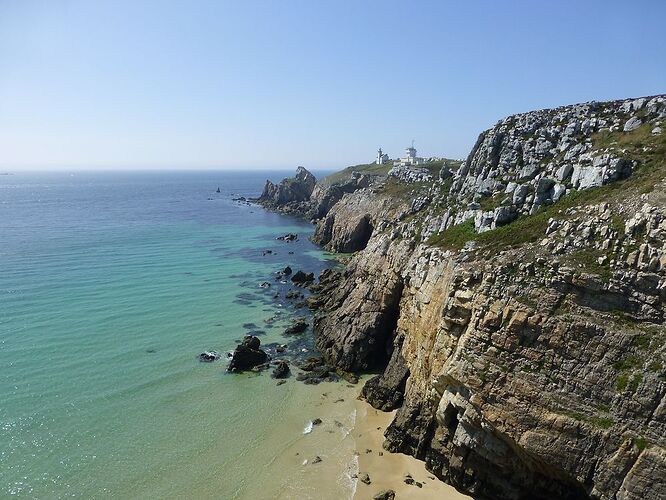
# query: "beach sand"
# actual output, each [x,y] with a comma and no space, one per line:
[388,471]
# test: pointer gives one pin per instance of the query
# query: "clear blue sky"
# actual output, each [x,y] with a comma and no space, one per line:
[261,84]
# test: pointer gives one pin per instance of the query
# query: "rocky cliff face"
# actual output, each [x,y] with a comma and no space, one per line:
[290,193]
[515,308]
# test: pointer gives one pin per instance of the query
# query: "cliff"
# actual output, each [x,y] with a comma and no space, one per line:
[514,306]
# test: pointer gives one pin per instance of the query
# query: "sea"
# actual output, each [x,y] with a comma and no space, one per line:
[111,284]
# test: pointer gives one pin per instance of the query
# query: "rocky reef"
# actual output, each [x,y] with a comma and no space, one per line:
[512,306]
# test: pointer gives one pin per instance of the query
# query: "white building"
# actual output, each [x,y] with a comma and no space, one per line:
[410,157]
[382,157]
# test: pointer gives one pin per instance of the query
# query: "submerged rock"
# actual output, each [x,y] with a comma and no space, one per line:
[288,237]
[209,356]
[247,355]
[298,326]
[281,369]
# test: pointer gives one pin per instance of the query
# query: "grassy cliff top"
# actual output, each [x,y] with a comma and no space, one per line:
[374,169]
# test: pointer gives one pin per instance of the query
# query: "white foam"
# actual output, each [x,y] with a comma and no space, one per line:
[308,428]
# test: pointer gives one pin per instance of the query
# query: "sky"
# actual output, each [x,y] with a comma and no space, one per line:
[276,84]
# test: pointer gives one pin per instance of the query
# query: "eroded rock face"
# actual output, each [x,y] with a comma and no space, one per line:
[354,325]
[290,191]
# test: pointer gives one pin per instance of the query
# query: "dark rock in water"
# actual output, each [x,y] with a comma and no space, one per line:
[281,348]
[261,367]
[385,495]
[288,237]
[317,421]
[267,252]
[298,326]
[218,189]
[287,270]
[312,363]
[409,479]
[300,277]
[316,460]
[315,370]
[265,284]
[251,342]
[291,253]
[250,326]
[364,478]
[294,294]
[281,382]
[281,369]
[247,355]
[209,356]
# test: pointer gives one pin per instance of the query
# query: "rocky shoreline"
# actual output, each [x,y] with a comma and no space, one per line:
[513,304]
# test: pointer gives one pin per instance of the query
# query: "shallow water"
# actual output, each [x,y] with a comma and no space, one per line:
[110,285]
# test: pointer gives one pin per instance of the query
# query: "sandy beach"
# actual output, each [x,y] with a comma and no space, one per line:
[388,470]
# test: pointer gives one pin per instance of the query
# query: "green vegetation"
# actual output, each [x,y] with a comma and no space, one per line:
[400,190]
[367,168]
[588,259]
[641,341]
[627,363]
[528,229]
[488,203]
[597,421]
[641,443]
[623,319]
[635,382]
[603,422]
[625,380]
[655,366]
[455,237]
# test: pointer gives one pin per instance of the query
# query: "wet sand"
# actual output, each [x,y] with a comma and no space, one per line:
[388,471]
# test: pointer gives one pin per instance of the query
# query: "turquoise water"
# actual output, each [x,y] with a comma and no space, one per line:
[111,284]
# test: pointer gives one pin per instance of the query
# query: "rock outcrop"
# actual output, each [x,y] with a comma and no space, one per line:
[247,355]
[290,192]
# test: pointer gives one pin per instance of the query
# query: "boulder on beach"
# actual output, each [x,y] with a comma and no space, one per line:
[247,355]
[385,495]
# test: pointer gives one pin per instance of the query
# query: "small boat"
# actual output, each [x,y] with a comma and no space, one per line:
[218,189]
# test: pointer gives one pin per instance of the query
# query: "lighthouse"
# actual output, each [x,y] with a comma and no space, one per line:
[381,157]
